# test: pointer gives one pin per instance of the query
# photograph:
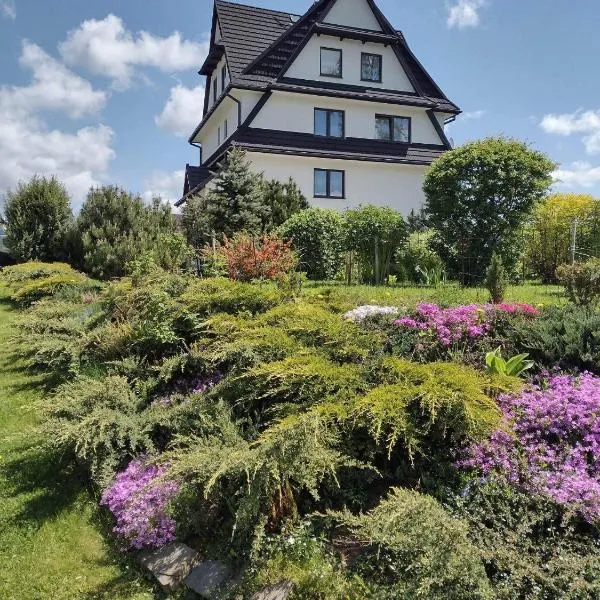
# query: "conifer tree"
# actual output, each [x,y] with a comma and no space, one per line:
[236,201]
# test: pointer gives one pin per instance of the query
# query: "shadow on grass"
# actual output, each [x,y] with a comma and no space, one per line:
[51,481]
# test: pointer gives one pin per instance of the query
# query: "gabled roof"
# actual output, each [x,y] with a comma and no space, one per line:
[260,44]
[248,31]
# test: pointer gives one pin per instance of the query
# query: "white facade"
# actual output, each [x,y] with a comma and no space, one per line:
[353,13]
[375,175]
[296,112]
[225,120]
[398,186]
[308,64]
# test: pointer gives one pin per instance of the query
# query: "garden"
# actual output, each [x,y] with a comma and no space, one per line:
[325,402]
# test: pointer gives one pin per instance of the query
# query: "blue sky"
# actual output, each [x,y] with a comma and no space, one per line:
[107,91]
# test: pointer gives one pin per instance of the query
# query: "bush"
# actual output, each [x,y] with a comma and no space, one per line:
[548,444]
[211,296]
[38,215]
[248,258]
[581,281]
[115,227]
[283,200]
[412,548]
[496,280]
[530,548]
[548,236]
[417,262]
[30,282]
[316,235]
[566,337]
[375,234]
[478,197]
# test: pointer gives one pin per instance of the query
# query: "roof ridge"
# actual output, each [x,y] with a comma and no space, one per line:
[273,10]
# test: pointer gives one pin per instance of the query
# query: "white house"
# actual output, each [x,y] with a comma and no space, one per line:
[333,98]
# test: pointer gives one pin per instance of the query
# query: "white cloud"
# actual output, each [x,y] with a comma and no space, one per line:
[169,186]
[580,174]
[29,147]
[183,110]
[473,115]
[54,87]
[464,13]
[105,47]
[582,122]
[8,9]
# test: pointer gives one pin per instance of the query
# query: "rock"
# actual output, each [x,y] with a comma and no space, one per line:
[279,591]
[171,564]
[209,577]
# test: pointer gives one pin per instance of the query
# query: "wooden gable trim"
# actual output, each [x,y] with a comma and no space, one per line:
[439,129]
[299,23]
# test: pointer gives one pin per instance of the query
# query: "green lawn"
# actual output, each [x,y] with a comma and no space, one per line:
[347,297]
[50,541]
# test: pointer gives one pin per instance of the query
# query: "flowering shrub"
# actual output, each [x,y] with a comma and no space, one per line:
[247,258]
[554,448]
[434,332]
[138,500]
[358,315]
[458,324]
[196,385]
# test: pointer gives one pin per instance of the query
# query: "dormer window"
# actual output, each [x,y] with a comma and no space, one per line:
[223,78]
[214,87]
[371,67]
[331,62]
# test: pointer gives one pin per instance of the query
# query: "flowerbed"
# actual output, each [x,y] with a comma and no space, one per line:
[138,499]
[551,445]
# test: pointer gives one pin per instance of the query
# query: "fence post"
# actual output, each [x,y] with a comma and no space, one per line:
[574,241]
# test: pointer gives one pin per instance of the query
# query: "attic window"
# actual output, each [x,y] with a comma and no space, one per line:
[370,69]
[331,62]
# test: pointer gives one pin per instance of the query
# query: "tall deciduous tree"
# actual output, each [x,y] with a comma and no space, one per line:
[37,216]
[478,198]
[549,233]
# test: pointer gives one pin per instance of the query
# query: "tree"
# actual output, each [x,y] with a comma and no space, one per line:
[316,235]
[282,200]
[478,197]
[496,280]
[375,233]
[195,222]
[235,202]
[549,234]
[115,226]
[37,216]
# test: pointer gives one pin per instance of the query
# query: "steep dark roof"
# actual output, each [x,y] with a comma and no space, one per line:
[195,179]
[306,144]
[260,43]
[248,31]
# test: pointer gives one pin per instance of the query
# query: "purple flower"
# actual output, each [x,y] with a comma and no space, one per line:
[553,447]
[138,499]
[459,325]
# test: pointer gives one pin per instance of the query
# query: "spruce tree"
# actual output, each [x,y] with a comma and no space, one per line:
[236,201]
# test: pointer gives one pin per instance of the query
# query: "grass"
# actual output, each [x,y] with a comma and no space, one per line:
[51,541]
[345,297]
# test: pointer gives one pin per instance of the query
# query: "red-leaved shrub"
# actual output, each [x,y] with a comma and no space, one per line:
[266,257]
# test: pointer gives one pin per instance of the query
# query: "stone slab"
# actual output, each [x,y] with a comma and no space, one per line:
[170,564]
[279,591]
[208,578]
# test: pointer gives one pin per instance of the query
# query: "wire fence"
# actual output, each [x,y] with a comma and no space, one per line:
[534,253]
